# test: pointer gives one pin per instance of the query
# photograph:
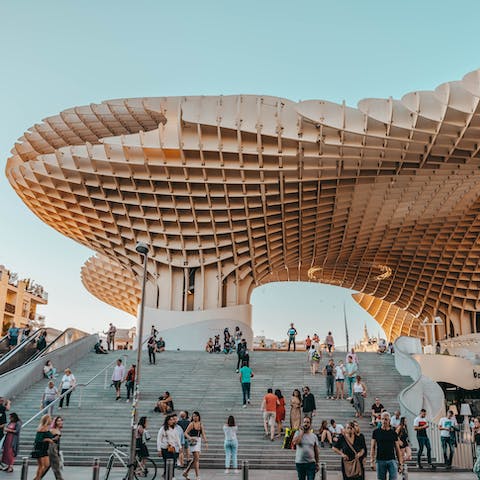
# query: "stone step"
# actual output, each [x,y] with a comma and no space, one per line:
[208,383]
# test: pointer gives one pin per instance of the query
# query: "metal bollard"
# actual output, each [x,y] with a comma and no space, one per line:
[169,469]
[24,474]
[323,471]
[96,469]
[245,469]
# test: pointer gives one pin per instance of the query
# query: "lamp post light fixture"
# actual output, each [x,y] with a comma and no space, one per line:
[466,411]
[142,249]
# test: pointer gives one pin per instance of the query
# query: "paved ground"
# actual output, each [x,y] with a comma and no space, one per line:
[82,473]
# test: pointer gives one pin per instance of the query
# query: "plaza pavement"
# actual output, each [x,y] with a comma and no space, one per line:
[82,473]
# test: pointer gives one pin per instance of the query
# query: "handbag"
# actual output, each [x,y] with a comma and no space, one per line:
[352,468]
[170,449]
[287,441]
[192,442]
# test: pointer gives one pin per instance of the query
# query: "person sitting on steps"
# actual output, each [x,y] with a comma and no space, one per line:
[164,404]
[98,348]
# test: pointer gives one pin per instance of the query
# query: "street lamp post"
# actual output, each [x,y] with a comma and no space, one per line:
[142,249]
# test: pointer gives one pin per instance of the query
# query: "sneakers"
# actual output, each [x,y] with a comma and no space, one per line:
[226,470]
[248,401]
[236,371]
[127,400]
[244,405]
[237,471]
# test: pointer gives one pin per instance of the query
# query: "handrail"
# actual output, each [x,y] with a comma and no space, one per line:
[82,385]
[20,346]
[416,381]
[46,349]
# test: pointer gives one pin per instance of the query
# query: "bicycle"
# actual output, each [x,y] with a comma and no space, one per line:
[147,469]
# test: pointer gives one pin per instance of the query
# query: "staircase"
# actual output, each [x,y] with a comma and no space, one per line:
[207,383]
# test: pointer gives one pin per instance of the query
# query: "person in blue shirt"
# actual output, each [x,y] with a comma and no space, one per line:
[292,333]
[246,376]
[13,332]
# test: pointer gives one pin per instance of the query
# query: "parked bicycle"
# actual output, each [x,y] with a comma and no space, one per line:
[142,469]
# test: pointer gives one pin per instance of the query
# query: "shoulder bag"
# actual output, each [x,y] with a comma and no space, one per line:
[352,468]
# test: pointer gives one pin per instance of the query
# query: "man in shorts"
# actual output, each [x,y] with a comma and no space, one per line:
[269,408]
[117,377]
[292,333]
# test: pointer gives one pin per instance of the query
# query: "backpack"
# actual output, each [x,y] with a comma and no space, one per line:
[315,355]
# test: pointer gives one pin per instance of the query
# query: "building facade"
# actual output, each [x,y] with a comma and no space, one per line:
[232,192]
[19,300]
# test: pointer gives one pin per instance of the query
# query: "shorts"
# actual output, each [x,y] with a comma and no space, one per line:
[116,383]
[13,341]
[269,417]
[339,379]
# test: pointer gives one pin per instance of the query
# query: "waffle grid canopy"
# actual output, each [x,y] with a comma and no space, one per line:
[232,192]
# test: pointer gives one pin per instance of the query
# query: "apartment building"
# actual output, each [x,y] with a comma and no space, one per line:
[19,299]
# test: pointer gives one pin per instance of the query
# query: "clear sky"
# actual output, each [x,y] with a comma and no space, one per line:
[59,54]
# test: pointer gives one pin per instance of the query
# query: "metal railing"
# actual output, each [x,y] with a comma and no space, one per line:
[464,452]
[82,386]
[463,457]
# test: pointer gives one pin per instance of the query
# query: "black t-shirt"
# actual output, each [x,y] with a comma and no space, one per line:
[358,444]
[3,414]
[329,370]
[308,403]
[385,443]
[377,408]
[184,423]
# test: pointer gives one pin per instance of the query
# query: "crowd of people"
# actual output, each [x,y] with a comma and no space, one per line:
[294,421]
[230,342]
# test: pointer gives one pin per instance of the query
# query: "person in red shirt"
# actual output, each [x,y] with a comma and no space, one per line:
[280,414]
[269,409]
[308,343]
[130,381]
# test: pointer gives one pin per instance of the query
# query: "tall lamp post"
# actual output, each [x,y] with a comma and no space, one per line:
[142,249]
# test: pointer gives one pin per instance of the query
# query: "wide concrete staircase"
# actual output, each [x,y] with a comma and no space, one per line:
[207,383]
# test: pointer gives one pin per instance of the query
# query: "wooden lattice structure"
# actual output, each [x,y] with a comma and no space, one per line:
[237,191]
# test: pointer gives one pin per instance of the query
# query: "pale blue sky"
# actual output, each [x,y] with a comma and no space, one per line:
[58,54]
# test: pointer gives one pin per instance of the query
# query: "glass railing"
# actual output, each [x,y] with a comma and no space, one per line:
[20,354]
[3,346]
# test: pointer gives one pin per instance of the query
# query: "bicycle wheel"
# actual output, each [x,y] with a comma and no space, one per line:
[108,467]
[148,470]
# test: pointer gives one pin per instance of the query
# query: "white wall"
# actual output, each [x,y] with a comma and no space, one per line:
[455,370]
[191,330]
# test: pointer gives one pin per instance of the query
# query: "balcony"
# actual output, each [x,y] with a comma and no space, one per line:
[10,308]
